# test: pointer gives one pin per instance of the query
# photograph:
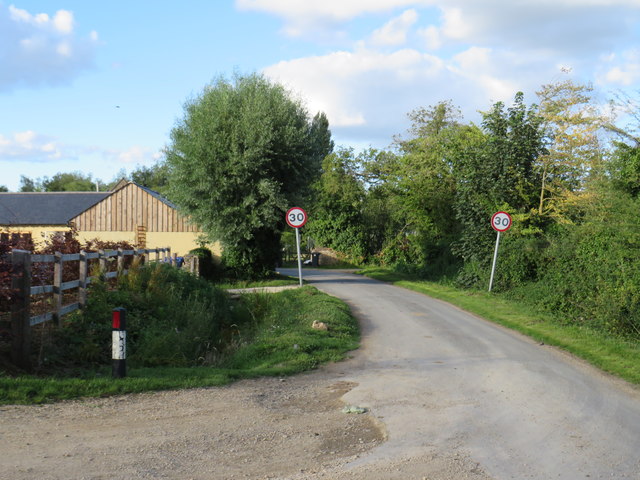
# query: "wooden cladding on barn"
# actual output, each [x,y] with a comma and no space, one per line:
[131,207]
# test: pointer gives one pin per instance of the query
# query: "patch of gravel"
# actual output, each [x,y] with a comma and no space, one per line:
[256,429]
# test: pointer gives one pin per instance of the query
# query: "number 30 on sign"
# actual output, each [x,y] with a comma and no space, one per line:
[501,221]
[296,217]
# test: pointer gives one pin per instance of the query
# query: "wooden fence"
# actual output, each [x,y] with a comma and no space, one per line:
[21,283]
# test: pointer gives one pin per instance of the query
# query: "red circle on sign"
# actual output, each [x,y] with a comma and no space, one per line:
[296,217]
[501,221]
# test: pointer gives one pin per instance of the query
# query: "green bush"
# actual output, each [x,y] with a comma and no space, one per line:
[173,318]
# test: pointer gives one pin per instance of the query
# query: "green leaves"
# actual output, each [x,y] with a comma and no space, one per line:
[244,151]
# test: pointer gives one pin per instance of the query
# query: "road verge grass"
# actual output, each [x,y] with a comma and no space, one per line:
[615,355]
[273,337]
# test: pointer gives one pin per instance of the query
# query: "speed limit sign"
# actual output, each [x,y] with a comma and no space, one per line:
[501,221]
[296,217]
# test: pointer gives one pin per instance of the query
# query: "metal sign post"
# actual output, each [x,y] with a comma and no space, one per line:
[296,217]
[501,222]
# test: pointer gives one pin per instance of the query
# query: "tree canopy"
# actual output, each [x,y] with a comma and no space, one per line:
[61,182]
[245,150]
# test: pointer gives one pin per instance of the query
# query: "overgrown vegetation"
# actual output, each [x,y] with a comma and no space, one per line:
[182,331]
[569,179]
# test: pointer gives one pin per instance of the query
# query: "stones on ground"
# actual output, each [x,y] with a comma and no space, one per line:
[316,325]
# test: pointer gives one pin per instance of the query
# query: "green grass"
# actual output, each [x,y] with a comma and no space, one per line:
[277,280]
[615,355]
[276,340]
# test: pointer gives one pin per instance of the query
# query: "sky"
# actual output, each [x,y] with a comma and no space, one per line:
[96,87]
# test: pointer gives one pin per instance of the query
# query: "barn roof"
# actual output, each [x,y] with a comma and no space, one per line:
[56,208]
[45,208]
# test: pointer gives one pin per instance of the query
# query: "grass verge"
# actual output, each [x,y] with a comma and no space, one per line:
[277,280]
[615,355]
[275,340]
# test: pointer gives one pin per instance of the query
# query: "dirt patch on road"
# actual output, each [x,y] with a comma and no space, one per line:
[258,429]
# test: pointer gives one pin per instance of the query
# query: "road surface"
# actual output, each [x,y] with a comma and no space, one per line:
[448,384]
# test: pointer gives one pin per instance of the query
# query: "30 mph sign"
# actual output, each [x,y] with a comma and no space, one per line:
[501,221]
[296,217]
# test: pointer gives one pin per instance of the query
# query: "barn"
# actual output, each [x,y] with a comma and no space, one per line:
[130,212]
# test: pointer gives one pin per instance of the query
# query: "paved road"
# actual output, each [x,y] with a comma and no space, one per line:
[446,382]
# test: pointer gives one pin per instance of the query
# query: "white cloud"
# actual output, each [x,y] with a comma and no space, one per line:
[63,21]
[394,32]
[621,70]
[36,49]
[28,145]
[352,87]
[487,51]
[431,36]
[312,15]
[135,154]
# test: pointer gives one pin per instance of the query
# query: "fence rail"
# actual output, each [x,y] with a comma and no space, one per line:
[21,284]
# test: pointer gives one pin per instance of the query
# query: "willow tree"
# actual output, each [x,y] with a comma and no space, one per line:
[244,152]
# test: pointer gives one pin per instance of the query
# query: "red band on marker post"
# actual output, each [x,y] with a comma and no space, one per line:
[119,343]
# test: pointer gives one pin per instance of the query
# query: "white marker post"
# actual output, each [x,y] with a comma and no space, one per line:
[119,343]
[296,217]
[501,222]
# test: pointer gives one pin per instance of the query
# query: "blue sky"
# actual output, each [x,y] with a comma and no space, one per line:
[96,87]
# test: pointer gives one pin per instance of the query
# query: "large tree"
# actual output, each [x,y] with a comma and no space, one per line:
[497,171]
[244,152]
[573,123]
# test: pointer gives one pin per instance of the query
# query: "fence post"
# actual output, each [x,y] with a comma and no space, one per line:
[167,254]
[83,273]
[102,261]
[57,287]
[157,250]
[20,309]
[120,261]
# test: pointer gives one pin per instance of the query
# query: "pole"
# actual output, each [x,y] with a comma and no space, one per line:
[119,343]
[299,257]
[495,258]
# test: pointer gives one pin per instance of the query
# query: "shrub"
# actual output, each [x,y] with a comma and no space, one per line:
[173,318]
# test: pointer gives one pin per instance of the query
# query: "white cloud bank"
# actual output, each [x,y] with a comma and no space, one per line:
[38,49]
[34,147]
[474,53]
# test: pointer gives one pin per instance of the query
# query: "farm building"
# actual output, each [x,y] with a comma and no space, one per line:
[130,212]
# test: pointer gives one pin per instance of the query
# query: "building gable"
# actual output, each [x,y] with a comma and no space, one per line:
[131,208]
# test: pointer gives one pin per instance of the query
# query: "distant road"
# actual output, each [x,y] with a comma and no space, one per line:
[445,382]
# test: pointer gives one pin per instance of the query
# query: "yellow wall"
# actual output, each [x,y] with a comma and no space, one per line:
[38,232]
[179,242]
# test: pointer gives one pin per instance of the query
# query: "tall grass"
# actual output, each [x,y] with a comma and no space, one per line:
[183,332]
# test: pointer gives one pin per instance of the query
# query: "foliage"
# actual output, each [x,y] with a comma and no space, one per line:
[495,170]
[624,168]
[3,188]
[270,335]
[173,318]
[155,177]
[591,275]
[61,182]
[336,220]
[243,153]
[574,154]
